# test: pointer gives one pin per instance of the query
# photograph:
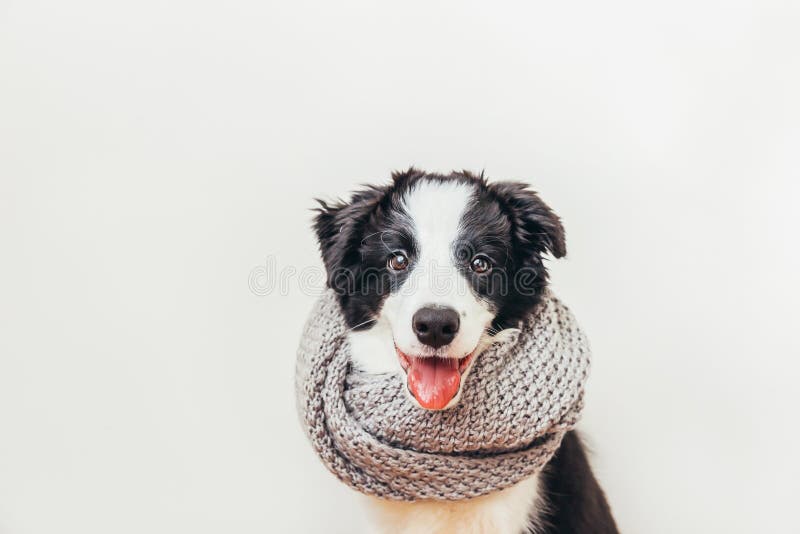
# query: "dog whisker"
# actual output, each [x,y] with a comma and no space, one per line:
[359,325]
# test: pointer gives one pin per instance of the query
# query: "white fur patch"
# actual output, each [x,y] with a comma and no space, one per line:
[510,511]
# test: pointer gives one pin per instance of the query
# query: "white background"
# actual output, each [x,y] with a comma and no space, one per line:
[154,153]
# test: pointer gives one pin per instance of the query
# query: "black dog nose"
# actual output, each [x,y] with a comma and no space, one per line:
[435,327]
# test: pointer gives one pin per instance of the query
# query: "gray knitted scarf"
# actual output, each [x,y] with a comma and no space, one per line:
[522,395]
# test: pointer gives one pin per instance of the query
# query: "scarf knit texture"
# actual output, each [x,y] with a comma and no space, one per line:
[520,398]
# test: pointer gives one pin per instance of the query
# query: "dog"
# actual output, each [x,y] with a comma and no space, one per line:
[430,270]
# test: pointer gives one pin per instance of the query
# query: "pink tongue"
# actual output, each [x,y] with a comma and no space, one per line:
[433,381]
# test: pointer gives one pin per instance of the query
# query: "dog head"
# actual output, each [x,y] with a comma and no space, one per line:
[430,268]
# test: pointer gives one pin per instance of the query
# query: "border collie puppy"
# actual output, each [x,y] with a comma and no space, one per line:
[429,270]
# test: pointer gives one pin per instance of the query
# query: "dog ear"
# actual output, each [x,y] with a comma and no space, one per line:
[534,225]
[338,228]
[337,225]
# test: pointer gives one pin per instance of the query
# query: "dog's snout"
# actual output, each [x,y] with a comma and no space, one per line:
[435,327]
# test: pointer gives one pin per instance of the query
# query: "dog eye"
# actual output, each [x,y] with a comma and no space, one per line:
[481,264]
[397,261]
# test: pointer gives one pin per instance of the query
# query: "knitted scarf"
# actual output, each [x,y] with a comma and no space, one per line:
[522,395]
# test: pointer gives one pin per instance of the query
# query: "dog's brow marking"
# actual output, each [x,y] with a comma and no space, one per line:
[380,233]
[384,242]
[369,235]
[496,239]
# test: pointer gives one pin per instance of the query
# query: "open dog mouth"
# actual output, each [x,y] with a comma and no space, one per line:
[434,380]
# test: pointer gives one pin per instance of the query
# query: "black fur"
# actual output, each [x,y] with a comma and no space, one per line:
[510,215]
[575,503]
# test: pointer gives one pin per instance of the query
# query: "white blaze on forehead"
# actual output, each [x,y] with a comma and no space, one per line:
[436,210]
